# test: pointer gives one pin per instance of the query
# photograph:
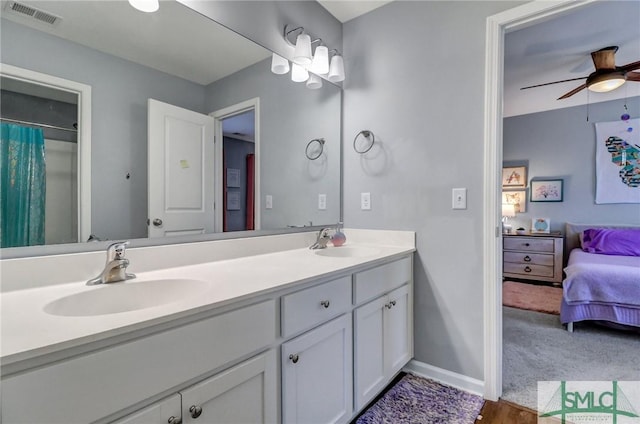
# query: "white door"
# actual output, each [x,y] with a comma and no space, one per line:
[181,171]
[317,375]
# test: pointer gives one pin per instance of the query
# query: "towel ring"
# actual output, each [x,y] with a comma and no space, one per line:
[313,154]
[369,136]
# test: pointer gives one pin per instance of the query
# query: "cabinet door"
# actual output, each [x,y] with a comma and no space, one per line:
[317,376]
[162,412]
[243,394]
[398,330]
[369,358]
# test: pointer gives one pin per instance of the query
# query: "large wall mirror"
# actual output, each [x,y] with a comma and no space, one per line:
[147,94]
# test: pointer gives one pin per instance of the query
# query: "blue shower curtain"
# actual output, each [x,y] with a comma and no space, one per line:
[23,186]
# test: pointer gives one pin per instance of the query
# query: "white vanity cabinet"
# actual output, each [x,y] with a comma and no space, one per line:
[166,411]
[317,378]
[383,331]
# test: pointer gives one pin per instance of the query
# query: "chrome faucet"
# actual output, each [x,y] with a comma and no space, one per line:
[116,266]
[322,240]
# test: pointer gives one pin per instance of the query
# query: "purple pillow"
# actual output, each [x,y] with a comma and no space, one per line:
[609,241]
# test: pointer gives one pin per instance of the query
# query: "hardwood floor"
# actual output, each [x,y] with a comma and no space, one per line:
[505,412]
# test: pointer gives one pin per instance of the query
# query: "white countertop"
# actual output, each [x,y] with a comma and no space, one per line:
[29,332]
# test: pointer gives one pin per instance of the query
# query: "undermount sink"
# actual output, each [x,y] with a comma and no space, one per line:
[348,252]
[125,296]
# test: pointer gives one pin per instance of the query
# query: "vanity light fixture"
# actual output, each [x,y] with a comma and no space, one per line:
[314,82]
[336,67]
[302,52]
[320,63]
[279,65]
[298,73]
[145,5]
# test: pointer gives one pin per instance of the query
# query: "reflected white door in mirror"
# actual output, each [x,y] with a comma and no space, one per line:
[73,186]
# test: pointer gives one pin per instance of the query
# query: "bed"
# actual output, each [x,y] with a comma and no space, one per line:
[600,287]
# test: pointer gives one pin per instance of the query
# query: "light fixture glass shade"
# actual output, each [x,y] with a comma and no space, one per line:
[314,82]
[302,52]
[145,5]
[279,65]
[320,63]
[336,69]
[298,73]
[605,83]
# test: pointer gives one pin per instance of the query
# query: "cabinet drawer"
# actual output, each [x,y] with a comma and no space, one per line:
[528,258]
[107,381]
[382,279]
[528,270]
[305,309]
[528,244]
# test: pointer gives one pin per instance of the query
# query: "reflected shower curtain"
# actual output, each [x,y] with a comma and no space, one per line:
[22,186]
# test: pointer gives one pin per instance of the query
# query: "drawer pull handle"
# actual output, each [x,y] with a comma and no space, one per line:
[294,358]
[196,411]
[527,258]
[325,303]
[527,269]
[527,244]
[174,420]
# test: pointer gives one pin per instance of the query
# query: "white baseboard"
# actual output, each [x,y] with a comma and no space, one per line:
[447,377]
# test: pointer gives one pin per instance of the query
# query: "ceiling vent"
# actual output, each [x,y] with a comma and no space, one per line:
[21,9]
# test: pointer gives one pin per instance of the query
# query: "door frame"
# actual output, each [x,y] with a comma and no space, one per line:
[219,116]
[83,91]
[497,26]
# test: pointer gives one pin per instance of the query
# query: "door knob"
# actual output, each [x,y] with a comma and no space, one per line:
[157,222]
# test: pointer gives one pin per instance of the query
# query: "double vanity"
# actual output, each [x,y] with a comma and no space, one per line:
[255,330]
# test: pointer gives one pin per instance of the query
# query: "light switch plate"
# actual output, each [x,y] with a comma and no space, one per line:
[322,202]
[459,198]
[268,201]
[365,201]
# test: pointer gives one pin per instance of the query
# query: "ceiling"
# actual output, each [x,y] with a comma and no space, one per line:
[346,10]
[560,49]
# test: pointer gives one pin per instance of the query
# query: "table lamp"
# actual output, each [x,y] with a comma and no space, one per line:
[508,211]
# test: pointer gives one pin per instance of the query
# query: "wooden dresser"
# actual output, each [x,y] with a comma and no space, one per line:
[533,256]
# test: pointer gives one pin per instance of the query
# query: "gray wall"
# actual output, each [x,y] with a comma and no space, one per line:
[120,90]
[415,77]
[290,116]
[562,144]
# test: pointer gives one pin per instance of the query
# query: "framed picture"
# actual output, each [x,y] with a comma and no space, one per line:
[233,201]
[517,198]
[514,177]
[233,177]
[546,190]
[541,225]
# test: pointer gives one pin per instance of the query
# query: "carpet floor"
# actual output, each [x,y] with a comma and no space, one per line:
[536,347]
[416,400]
[532,297]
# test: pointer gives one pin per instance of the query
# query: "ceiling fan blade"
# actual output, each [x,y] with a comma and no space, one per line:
[633,76]
[631,66]
[605,58]
[554,82]
[574,91]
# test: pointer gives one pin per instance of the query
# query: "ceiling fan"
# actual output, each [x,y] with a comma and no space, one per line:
[606,77]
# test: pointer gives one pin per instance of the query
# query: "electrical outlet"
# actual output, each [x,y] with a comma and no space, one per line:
[459,198]
[322,202]
[365,201]
[268,201]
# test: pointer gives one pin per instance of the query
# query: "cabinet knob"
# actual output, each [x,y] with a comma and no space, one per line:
[527,258]
[527,244]
[393,303]
[325,303]
[174,420]
[527,269]
[294,358]
[157,222]
[196,411]
[387,305]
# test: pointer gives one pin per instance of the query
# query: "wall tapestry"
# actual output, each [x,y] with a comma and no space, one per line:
[618,161]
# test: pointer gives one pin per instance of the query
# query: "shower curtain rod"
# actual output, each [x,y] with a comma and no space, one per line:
[36,124]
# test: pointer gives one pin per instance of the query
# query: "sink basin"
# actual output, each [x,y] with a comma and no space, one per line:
[125,297]
[348,252]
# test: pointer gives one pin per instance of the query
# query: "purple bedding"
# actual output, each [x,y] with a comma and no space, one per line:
[606,285]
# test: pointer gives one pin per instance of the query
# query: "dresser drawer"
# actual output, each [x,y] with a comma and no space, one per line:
[529,258]
[305,309]
[528,244]
[528,270]
[382,279]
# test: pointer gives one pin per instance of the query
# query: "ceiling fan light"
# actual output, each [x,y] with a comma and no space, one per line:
[605,82]
[145,5]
